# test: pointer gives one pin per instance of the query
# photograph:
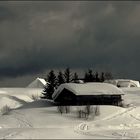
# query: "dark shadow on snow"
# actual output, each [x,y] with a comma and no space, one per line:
[38,104]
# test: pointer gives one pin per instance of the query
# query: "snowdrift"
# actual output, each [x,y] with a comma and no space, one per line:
[123,82]
[10,101]
[16,97]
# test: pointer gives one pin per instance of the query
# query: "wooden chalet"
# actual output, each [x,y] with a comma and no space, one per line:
[88,94]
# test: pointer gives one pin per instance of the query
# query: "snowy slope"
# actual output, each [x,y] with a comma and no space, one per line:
[11,101]
[124,123]
[41,119]
[16,97]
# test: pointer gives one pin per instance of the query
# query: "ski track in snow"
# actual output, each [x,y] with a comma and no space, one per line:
[121,113]
[22,123]
[83,128]
[115,134]
[9,133]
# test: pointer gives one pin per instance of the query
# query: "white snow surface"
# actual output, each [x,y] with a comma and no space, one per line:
[40,119]
[37,83]
[89,89]
[15,97]
[124,82]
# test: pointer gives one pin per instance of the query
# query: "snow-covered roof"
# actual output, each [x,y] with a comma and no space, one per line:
[42,81]
[37,83]
[89,89]
[123,82]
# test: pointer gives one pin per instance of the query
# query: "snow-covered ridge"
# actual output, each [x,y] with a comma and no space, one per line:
[15,97]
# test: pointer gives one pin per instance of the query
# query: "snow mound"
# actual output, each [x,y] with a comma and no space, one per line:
[132,96]
[24,94]
[124,82]
[37,83]
[10,101]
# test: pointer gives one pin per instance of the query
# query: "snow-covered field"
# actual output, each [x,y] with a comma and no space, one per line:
[29,119]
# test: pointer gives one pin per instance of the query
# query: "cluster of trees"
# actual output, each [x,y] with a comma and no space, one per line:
[54,81]
[90,76]
[67,76]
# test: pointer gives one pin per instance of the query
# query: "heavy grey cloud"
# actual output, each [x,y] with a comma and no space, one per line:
[36,36]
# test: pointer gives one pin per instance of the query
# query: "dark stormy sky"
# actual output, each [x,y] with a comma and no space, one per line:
[38,36]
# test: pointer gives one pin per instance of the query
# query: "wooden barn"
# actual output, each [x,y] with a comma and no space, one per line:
[88,94]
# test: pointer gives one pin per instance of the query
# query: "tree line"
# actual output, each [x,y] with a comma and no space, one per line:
[53,80]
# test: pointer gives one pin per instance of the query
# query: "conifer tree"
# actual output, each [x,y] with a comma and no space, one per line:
[67,75]
[60,78]
[75,77]
[86,77]
[51,85]
[102,78]
[90,76]
[97,77]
